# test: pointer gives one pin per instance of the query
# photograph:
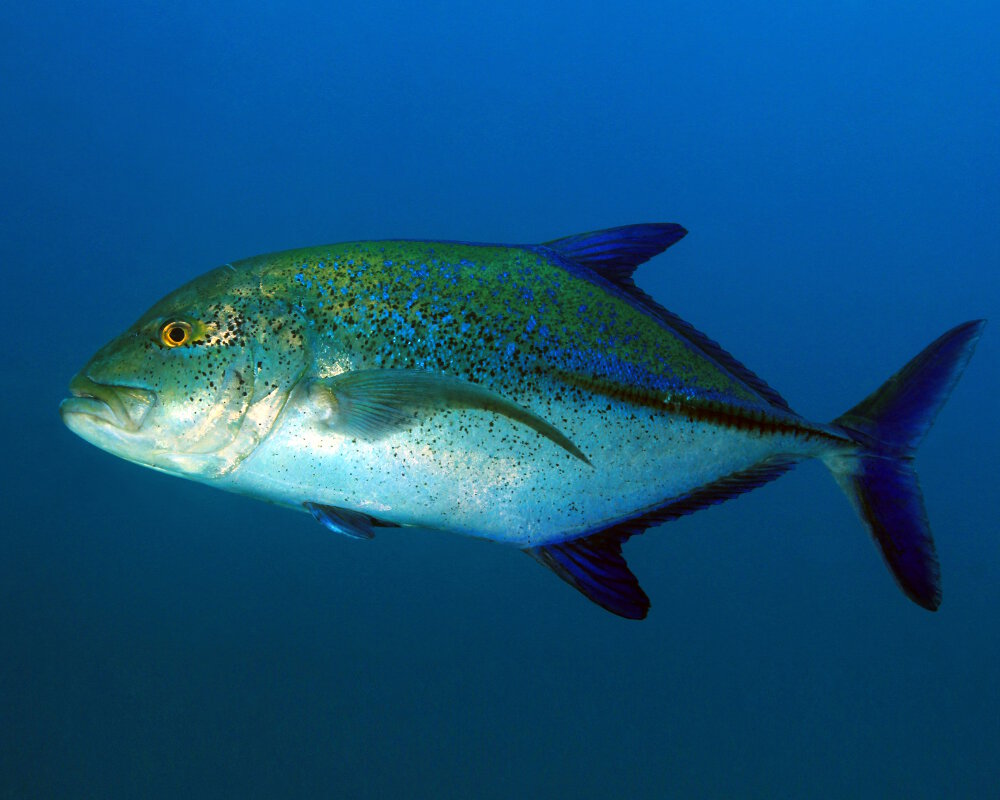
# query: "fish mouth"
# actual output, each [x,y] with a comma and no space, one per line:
[124,407]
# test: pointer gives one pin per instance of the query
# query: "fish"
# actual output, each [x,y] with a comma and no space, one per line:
[531,395]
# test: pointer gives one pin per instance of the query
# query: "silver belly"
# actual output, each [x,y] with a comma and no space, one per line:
[477,473]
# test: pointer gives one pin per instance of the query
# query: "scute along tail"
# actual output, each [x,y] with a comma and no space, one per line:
[879,478]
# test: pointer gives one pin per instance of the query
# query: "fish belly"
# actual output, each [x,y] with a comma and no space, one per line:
[478,473]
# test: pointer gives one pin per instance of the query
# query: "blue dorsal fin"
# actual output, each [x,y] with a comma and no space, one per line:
[712,349]
[616,252]
[594,565]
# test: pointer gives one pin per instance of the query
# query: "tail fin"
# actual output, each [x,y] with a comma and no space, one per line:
[879,478]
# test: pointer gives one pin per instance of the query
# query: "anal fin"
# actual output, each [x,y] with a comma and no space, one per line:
[593,564]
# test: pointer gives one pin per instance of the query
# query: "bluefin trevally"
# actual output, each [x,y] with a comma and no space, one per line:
[530,394]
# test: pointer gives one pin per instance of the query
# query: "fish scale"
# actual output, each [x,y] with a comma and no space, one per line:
[462,307]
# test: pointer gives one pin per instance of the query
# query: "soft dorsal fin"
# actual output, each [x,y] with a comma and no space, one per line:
[616,252]
[594,565]
[712,349]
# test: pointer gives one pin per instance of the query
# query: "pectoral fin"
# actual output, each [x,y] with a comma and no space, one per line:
[372,403]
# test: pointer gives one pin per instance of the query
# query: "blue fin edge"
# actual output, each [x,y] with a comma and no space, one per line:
[616,252]
[879,479]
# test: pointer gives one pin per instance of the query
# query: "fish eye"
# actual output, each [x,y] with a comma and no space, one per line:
[175,333]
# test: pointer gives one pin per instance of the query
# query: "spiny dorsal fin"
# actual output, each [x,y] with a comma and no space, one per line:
[594,565]
[616,252]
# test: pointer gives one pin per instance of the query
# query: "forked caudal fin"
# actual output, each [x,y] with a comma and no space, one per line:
[879,478]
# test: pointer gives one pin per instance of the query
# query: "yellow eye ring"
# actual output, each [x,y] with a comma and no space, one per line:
[175,333]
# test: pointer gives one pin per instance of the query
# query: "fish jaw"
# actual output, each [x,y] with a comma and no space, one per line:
[122,420]
[112,417]
[124,407]
[108,416]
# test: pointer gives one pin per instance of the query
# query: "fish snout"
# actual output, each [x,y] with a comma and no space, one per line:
[125,407]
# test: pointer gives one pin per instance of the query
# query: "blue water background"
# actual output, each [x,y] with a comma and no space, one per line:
[838,166]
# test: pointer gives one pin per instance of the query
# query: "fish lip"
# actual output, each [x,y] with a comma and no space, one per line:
[104,402]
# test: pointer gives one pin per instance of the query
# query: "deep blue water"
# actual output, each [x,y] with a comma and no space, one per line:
[839,170]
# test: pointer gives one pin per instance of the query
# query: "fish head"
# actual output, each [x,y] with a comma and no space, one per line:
[194,384]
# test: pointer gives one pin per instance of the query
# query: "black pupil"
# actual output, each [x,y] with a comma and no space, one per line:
[176,334]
